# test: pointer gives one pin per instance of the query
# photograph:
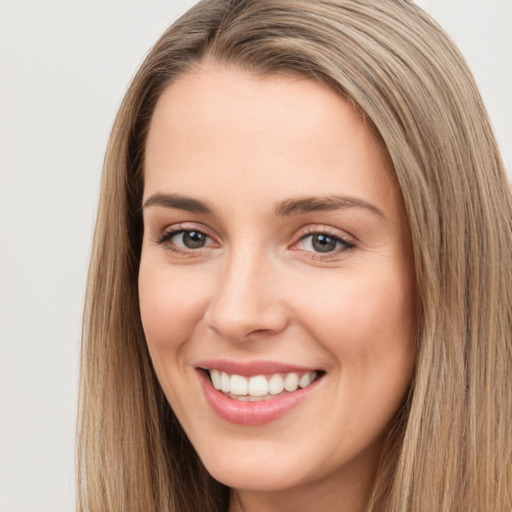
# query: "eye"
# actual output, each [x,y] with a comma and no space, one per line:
[186,239]
[323,243]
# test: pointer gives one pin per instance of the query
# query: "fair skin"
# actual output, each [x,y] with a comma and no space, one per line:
[274,232]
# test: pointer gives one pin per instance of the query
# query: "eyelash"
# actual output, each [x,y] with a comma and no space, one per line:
[345,244]
[166,236]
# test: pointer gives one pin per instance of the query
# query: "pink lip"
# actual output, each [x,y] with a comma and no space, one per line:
[252,413]
[252,368]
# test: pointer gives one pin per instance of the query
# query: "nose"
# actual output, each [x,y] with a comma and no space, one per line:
[246,303]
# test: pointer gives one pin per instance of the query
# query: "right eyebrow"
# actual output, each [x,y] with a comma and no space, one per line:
[177,202]
[301,205]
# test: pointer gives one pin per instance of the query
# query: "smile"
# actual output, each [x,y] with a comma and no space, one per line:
[260,387]
[256,393]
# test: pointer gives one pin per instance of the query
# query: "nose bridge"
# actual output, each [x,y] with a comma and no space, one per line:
[244,301]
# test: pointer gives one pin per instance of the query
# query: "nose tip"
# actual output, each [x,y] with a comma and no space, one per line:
[234,326]
[245,307]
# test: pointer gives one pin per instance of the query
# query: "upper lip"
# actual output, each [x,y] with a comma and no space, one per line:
[252,368]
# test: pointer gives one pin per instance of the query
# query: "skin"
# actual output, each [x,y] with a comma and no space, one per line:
[259,290]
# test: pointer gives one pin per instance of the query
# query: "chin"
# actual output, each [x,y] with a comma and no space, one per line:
[258,465]
[253,474]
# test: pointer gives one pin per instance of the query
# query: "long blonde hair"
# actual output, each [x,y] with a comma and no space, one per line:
[450,446]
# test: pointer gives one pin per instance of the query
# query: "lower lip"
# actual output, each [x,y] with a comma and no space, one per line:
[252,413]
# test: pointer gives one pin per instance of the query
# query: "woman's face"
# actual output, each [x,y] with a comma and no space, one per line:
[275,253]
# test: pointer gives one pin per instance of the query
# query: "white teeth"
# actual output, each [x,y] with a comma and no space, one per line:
[258,386]
[254,388]
[238,385]
[275,384]
[291,382]
[225,382]
[305,380]
[216,379]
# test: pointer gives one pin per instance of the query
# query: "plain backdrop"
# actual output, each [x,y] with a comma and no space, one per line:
[64,66]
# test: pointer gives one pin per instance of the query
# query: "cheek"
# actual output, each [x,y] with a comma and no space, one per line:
[367,321]
[369,328]
[170,304]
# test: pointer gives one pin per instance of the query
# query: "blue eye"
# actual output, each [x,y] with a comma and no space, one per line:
[324,243]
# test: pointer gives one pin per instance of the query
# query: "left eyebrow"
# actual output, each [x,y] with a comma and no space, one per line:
[301,205]
[177,202]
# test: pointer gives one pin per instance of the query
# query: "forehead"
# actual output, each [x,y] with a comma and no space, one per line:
[216,125]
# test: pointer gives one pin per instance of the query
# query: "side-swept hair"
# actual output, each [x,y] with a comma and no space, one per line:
[450,446]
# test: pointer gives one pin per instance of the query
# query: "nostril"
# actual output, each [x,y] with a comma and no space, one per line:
[257,332]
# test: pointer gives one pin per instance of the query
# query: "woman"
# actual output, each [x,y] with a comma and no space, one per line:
[299,293]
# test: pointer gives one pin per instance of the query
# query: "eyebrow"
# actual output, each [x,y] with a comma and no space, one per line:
[287,207]
[178,202]
[302,205]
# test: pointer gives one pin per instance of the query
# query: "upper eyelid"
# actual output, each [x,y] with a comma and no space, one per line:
[326,233]
[326,230]
[166,235]
[184,226]
[341,240]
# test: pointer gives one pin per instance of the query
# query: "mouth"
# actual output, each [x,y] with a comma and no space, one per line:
[260,387]
[256,393]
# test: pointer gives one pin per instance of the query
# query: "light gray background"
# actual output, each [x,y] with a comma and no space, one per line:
[64,65]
